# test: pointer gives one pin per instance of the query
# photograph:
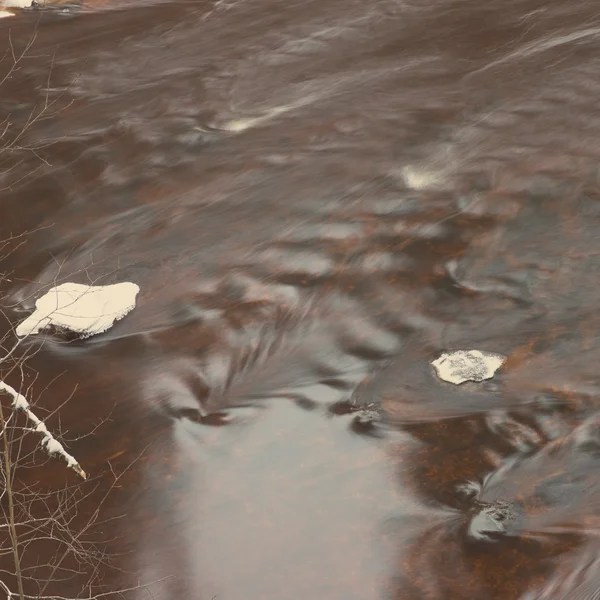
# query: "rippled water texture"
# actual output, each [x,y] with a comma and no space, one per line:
[316,199]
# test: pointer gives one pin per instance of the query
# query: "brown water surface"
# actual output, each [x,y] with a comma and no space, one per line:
[317,198]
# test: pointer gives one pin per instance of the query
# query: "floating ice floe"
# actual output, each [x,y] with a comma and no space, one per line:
[16,3]
[467,365]
[83,309]
[4,4]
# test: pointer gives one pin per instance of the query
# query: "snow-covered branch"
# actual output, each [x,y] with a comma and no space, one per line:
[49,443]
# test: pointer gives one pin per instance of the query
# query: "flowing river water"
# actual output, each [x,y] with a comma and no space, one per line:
[317,198]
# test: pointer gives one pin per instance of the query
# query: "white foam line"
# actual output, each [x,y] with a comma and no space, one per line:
[541,46]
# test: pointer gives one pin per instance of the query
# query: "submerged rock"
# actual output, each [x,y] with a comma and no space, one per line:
[467,365]
[83,309]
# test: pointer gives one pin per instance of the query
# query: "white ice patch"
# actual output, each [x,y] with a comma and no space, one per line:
[16,3]
[84,309]
[5,13]
[467,365]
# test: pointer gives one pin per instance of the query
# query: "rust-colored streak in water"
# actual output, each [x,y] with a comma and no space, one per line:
[316,199]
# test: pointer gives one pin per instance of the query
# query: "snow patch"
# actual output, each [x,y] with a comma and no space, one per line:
[467,365]
[84,309]
[49,442]
[5,13]
[19,401]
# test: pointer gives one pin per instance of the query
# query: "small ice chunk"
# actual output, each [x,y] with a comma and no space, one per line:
[84,309]
[467,365]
